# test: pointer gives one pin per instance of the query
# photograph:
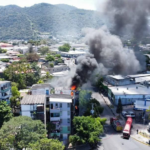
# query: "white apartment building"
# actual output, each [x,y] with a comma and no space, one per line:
[5,90]
[60,115]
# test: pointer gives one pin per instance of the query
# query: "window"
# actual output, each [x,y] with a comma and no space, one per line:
[56,105]
[68,128]
[68,113]
[60,105]
[68,120]
[61,113]
[51,106]
[47,92]
[55,115]
[68,105]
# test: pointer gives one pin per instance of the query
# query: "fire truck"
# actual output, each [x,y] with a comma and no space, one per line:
[116,124]
[127,128]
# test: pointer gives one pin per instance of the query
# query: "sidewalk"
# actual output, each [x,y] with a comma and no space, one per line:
[109,104]
[140,139]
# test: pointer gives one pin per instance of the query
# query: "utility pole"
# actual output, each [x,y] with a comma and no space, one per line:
[45,112]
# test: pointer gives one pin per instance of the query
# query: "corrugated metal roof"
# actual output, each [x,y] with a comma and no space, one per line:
[33,99]
[134,89]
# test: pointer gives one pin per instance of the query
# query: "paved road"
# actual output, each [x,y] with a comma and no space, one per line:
[107,112]
[113,140]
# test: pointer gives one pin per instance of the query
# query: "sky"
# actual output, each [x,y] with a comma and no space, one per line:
[83,4]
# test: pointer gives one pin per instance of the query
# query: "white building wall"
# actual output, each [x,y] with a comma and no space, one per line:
[65,115]
[130,99]
[25,110]
[40,91]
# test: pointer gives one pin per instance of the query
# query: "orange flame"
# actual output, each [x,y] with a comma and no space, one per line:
[73,87]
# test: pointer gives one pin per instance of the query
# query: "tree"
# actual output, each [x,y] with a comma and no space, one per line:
[24,74]
[15,99]
[119,107]
[65,48]
[5,60]
[40,82]
[22,131]
[98,109]
[87,130]
[47,144]
[84,98]
[58,55]
[5,112]
[51,65]
[50,57]
[32,57]
[44,50]
[3,50]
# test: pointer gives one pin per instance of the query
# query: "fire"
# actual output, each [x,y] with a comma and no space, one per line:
[73,87]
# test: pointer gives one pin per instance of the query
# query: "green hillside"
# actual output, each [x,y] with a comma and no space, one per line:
[29,22]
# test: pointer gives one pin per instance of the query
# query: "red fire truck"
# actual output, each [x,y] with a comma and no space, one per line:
[116,124]
[127,128]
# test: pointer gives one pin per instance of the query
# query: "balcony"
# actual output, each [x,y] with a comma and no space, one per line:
[54,118]
[5,97]
[64,130]
[5,90]
[55,134]
[55,110]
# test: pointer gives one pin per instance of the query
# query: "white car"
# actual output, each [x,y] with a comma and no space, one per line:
[131,114]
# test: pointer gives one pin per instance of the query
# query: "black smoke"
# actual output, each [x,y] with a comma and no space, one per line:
[107,55]
[86,65]
[129,17]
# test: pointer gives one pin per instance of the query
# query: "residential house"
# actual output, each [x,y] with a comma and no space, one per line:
[34,106]
[41,89]
[57,68]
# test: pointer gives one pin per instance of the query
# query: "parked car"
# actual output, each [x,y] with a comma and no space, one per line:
[131,114]
[124,113]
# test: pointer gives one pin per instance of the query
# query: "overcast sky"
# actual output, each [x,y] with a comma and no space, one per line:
[85,4]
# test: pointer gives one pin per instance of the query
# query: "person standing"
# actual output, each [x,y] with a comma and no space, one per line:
[137,131]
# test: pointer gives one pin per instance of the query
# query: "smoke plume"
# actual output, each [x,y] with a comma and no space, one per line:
[86,65]
[128,16]
[108,56]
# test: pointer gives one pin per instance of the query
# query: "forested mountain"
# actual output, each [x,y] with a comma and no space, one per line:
[29,22]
